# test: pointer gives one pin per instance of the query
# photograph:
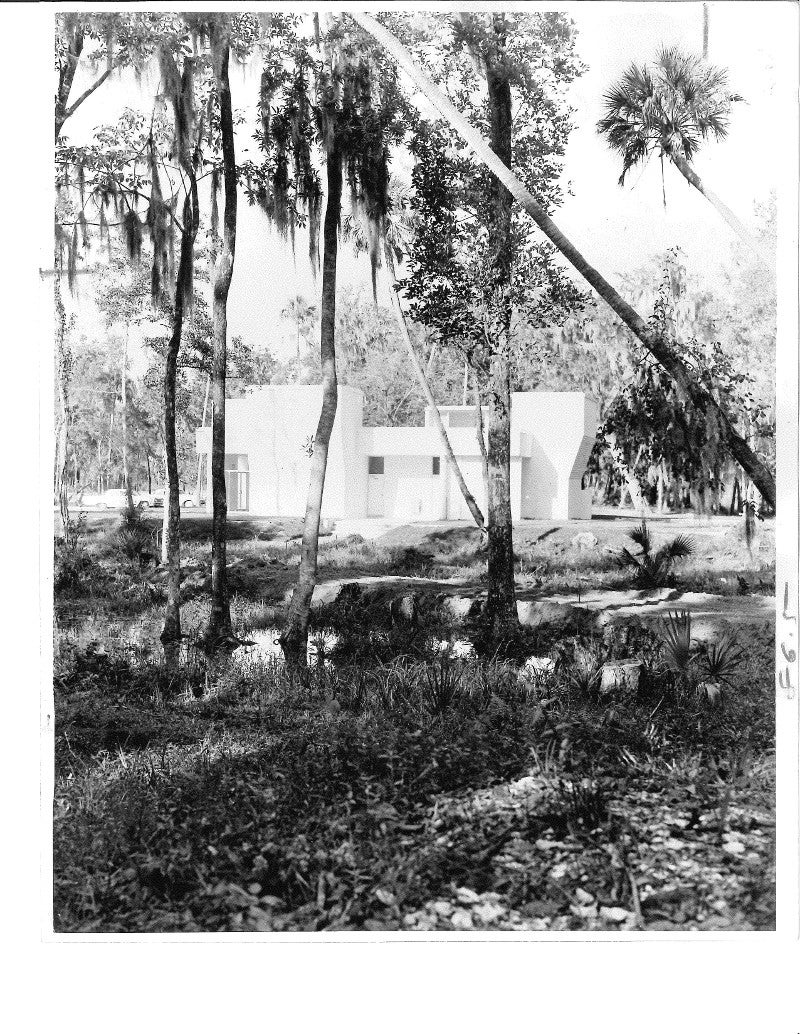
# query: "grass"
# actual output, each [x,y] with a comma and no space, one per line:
[403,789]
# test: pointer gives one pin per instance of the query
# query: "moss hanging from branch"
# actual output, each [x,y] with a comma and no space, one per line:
[132,231]
[158,226]
[72,258]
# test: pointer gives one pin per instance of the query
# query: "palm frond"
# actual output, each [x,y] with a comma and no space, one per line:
[676,631]
[722,659]
[669,107]
[641,536]
[681,546]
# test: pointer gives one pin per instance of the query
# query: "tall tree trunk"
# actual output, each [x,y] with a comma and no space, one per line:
[219,628]
[294,638]
[659,348]
[126,478]
[171,633]
[400,316]
[501,608]
[110,439]
[64,360]
[691,177]
[200,455]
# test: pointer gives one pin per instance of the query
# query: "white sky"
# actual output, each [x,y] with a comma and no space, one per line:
[618,229]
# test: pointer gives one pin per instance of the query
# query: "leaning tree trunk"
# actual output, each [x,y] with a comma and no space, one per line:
[480,434]
[400,316]
[171,633]
[691,177]
[219,630]
[660,349]
[501,607]
[294,638]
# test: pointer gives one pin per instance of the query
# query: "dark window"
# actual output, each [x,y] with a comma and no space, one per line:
[376,464]
[435,465]
[236,461]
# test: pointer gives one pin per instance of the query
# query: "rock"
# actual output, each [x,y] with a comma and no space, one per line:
[461,920]
[538,612]
[711,690]
[615,675]
[404,610]
[584,540]
[536,668]
[443,908]
[467,896]
[734,847]
[488,912]
[459,608]
[615,914]
[558,872]
[459,649]
[583,897]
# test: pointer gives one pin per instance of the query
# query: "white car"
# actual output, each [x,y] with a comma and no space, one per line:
[186,499]
[114,499]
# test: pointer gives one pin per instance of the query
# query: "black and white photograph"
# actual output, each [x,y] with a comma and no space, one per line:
[418,442]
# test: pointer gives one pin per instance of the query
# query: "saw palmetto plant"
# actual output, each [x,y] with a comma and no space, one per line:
[653,567]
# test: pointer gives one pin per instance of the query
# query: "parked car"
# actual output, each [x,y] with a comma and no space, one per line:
[187,499]
[85,497]
[114,499]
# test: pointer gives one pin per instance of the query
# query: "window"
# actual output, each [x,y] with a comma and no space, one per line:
[435,466]
[376,465]
[236,461]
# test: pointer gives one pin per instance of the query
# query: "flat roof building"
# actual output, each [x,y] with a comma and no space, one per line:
[401,473]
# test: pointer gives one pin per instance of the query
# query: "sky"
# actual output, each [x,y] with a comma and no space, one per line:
[618,229]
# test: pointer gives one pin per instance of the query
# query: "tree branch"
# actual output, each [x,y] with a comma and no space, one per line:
[87,93]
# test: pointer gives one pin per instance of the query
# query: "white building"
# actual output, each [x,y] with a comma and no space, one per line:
[401,473]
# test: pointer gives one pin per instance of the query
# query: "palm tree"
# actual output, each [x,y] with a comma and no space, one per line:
[670,109]
[654,342]
[302,313]
[396,229]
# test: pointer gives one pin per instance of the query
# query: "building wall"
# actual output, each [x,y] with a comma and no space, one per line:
[411,491]
[272,425]
[561,427]
[552,434]
[472,469]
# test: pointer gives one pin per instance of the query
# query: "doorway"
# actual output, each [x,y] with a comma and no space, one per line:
[237,481]
[375,487]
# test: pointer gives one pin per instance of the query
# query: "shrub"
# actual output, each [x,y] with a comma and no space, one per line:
[73,567]
[132,542]
[653,568]
[676,629]
[410,560]
[721,660]
[584,672]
